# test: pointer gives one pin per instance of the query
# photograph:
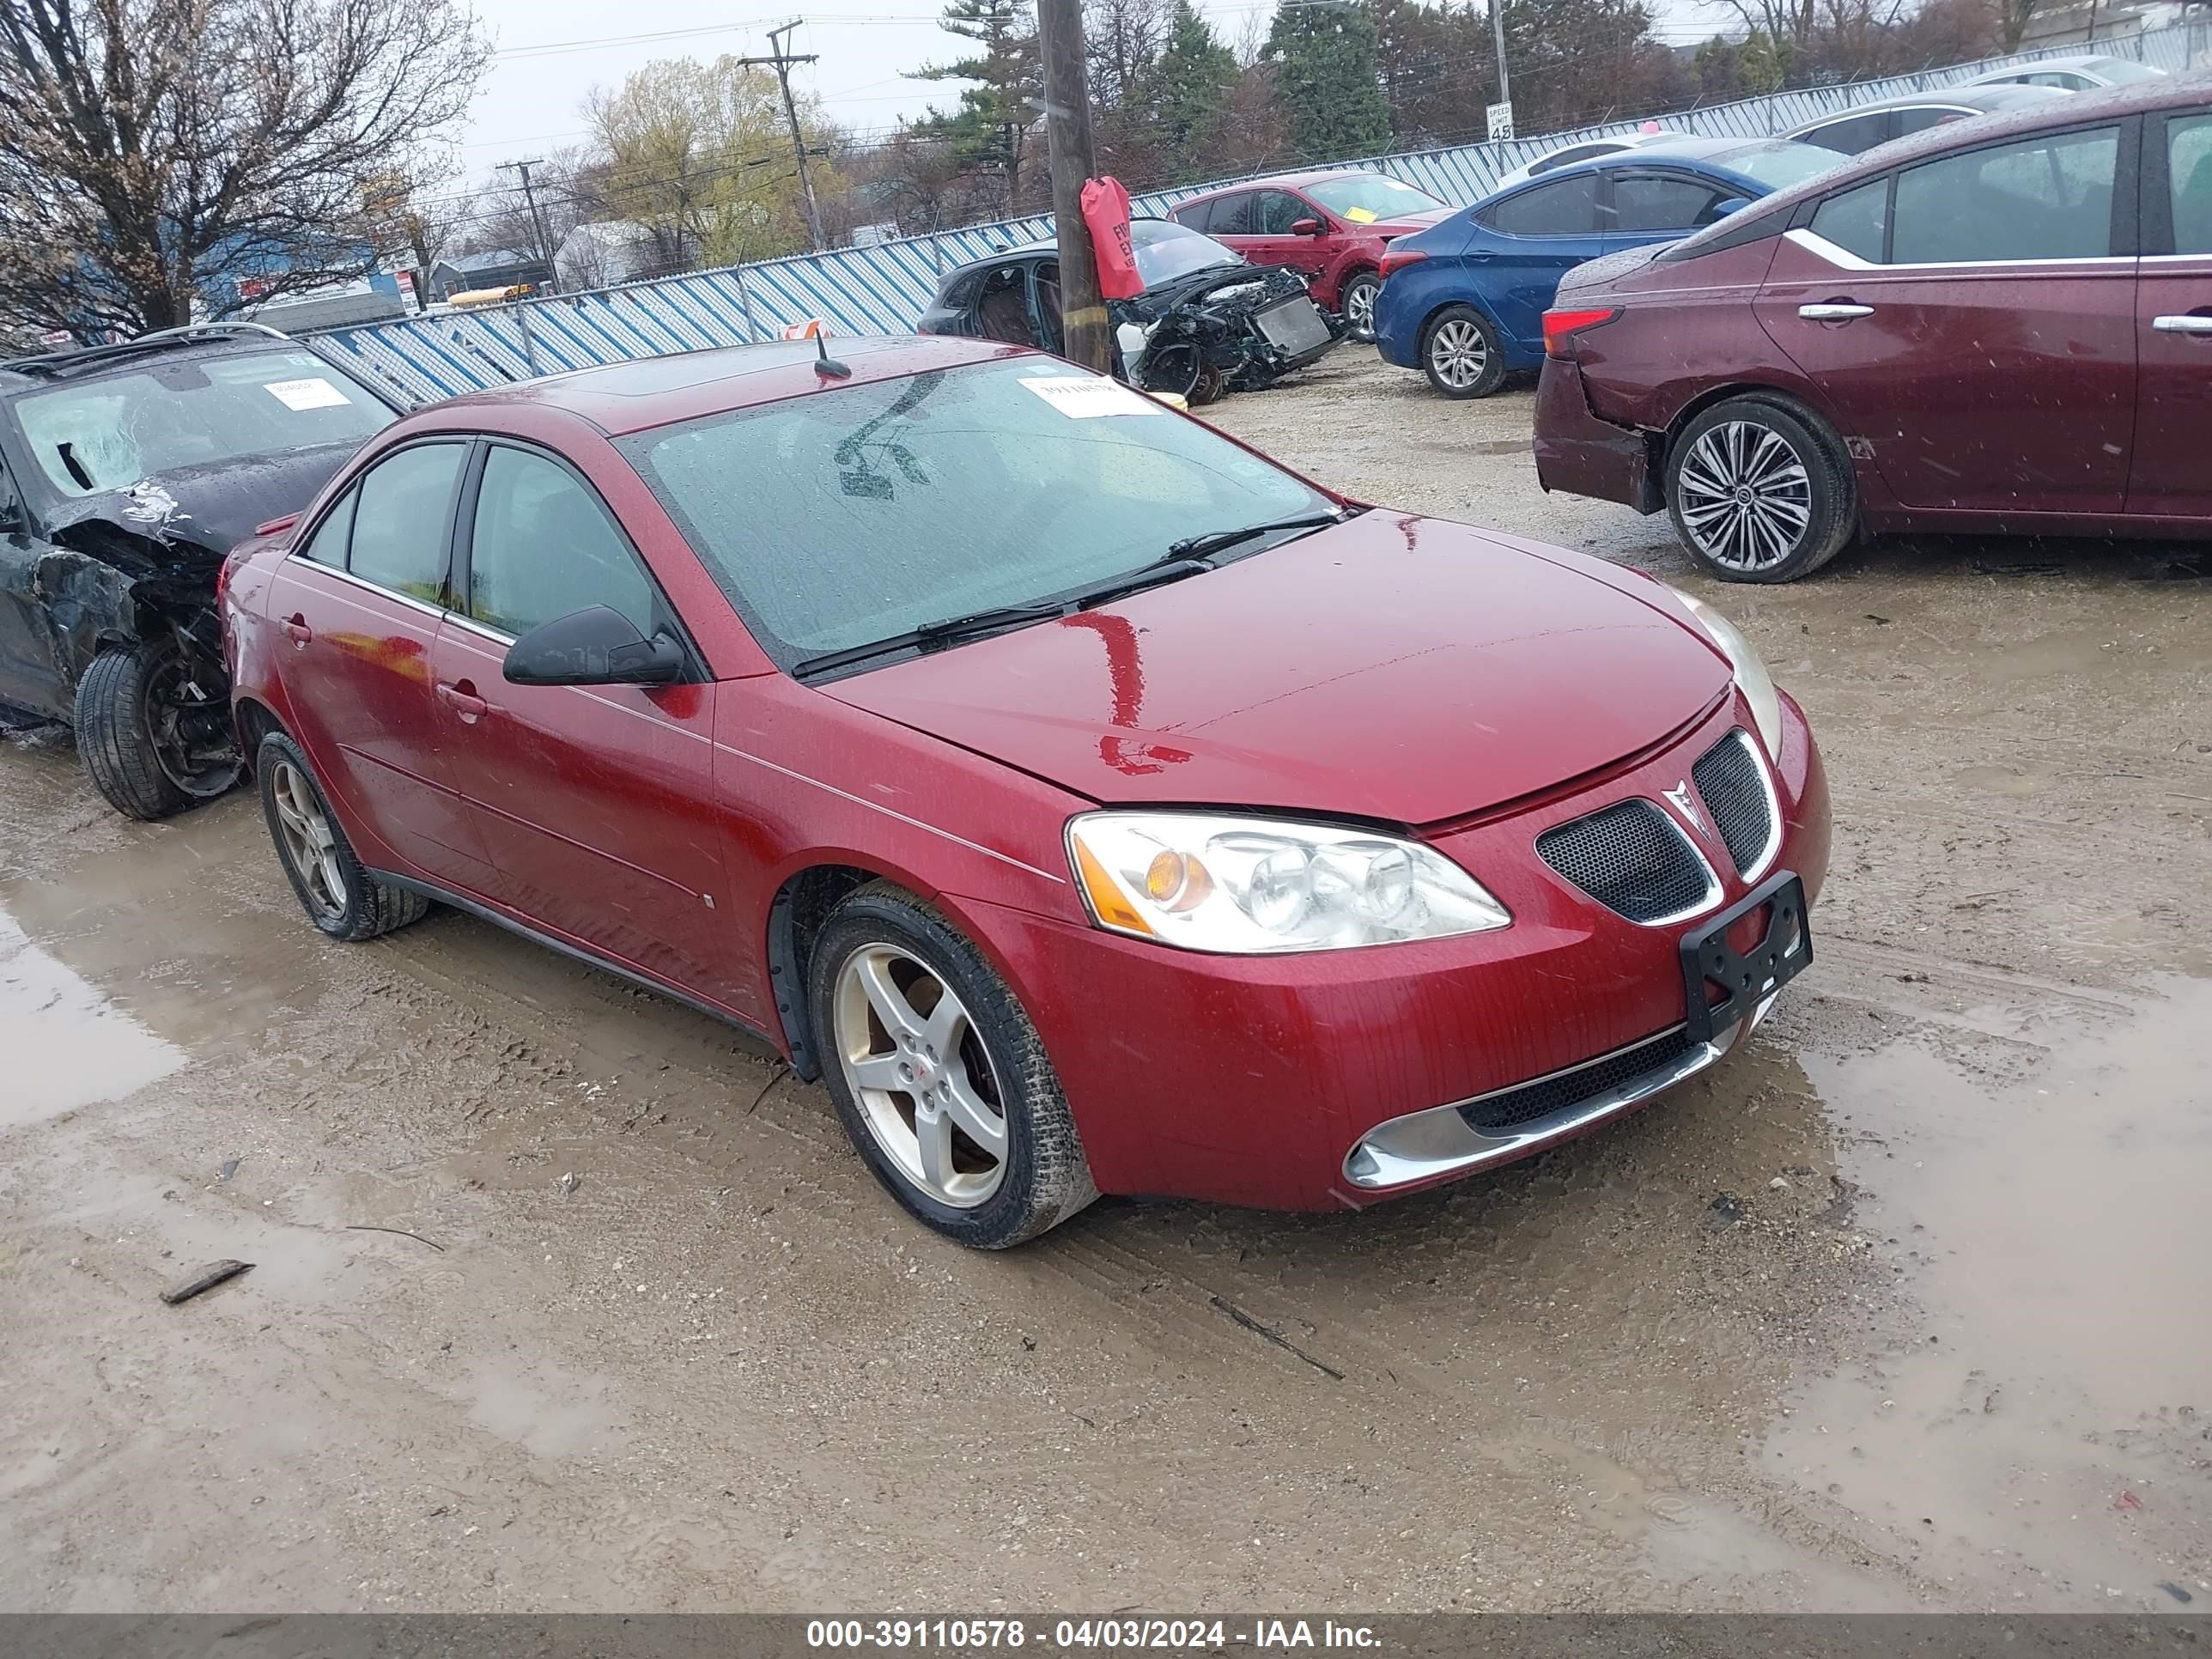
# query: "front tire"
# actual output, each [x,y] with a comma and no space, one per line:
[335,889]
[1461,355]
[150,745]
[1356,302]
[940,1077]
[1759,492]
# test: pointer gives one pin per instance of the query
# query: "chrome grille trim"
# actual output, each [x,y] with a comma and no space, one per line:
[1765,858]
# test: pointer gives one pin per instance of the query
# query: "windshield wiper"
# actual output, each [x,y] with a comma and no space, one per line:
[1217,541]
[935,632]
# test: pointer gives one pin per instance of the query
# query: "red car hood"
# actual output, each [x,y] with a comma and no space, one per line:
[1406,224]
[1392,667]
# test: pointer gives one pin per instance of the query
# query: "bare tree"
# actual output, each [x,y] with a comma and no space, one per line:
[161,156]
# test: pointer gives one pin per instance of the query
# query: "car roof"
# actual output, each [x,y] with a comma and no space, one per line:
[1988,100]
[74,364]
[1029,250]
[1289,181]
[2071,60]
[1674,147]
[2042,114]
[652,391]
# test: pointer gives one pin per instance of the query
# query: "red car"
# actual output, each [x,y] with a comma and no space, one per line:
[1330,225]
[1092,803]
[2002,325]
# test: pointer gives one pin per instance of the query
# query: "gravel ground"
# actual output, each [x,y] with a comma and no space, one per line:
[1891,1312]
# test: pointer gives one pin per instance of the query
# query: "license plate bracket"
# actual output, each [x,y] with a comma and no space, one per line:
[1746,978]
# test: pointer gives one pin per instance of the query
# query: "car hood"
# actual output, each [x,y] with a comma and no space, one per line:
[1406,224]
[1391,667]
[212,507]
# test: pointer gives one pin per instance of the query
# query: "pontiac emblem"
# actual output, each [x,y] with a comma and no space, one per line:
[1687,806]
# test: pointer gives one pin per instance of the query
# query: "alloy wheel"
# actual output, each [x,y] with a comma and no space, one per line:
[1359,310]
[310,846]
[1745,496]
[1459,352]
[920,1076]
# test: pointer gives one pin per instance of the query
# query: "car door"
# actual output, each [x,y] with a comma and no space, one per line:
[360,599]
[1276,244]
[31,676]
[2172,470]
[597,803]
[1536,234]
[1970,322]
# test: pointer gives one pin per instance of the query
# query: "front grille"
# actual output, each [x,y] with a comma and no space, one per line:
[1499,1113]
[1630,860]
[1728,777]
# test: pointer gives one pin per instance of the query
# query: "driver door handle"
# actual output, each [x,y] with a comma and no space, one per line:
[2193,323]
[1834,311]
[463,702]
[296,630]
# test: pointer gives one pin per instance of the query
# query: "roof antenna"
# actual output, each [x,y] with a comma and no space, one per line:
[826,366]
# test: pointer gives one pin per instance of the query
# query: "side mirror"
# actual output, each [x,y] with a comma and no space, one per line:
[1734,205]
[596,646]
[1306,226]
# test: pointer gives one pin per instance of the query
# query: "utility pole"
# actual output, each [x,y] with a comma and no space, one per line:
[1084,333]
[536,221]
[1497,44]
[781,62]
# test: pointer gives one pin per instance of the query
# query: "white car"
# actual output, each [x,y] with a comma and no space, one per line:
[2085,73]
[1588,150]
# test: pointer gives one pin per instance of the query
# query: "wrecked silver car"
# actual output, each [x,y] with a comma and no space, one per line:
[126,473]
[1206,322]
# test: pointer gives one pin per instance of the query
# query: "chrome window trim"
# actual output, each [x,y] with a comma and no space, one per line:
[1843,259]
[475,627]
[293,556]
[1436,1140]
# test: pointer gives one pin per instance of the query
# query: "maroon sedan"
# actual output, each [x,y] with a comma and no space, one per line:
[1331,225]
[1092,803]
[2002,325]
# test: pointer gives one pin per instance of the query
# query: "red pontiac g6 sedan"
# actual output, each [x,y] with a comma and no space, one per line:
[2001,326]
[1091,803]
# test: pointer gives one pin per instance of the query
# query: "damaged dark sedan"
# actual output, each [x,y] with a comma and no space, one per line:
[1206,323]
[126,473]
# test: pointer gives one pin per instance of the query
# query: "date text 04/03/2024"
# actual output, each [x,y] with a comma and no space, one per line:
[1200,1635]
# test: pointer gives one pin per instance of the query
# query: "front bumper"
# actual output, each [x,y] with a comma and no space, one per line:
[1255,1080]
[1581,455]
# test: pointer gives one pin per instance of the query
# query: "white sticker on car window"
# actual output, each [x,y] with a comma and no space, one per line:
[314,392]
[1089,397]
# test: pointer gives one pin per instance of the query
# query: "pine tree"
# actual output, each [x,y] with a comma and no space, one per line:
[1189,85]
[991,127]
[1327,81]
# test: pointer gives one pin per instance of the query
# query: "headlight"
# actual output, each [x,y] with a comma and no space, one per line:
[1750,676]
[1251,885]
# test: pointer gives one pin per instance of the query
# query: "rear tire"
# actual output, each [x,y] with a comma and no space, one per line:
[1461,355]
[910,1085]
[335,889]
[129,736]
[1356,302]
[1761,491]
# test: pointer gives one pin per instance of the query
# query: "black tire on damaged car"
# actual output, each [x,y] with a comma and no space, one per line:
[1045,1177]
[1771,440]
[120,735]
[351,904]
[1461,354]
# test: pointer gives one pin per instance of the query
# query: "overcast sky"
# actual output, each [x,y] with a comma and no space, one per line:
[552,53]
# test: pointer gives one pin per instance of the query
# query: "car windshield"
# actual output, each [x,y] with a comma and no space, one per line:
[2122,72]
[1364,197]
[164,416]
[1778,163]
[855,513]
[1166,250]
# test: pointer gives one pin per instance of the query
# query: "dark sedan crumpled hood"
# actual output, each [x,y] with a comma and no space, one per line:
[214,506]
[1392,667]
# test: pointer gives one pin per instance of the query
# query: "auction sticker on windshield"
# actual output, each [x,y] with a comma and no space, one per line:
[1087,397]
[314,392]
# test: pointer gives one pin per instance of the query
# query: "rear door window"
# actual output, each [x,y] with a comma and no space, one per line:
[1195,214]
[1234,216]
[2189,178]
[2046,197]
[1661,201]
[1565,207]
[1858,221]
[404,503]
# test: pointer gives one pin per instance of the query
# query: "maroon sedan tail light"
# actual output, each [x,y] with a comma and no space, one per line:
[1395,259]
[1560,327]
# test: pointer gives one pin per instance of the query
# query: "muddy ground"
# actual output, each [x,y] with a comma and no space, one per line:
[1904,1307]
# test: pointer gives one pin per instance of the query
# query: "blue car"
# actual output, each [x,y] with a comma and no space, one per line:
[1464,299]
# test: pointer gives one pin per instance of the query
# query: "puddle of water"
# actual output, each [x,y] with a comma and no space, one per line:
[65,1044]
[2046,1420]
[546,1410]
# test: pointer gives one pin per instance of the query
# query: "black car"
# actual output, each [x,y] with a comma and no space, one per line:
[126,473]
[1206,322]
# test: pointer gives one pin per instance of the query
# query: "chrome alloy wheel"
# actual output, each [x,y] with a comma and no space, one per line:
[1459,352]
[310,847]
[1745,496]
[1359,310]
[920,1076]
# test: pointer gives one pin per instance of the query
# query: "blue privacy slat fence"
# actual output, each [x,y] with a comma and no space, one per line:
[884,289]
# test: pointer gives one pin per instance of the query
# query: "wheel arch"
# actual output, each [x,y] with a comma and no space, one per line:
[1663,440]
[254,721]
[802,905]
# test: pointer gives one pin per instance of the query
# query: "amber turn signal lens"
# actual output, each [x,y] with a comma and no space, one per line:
[1106,901]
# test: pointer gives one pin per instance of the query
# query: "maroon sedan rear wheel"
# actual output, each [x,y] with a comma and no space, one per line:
[1761,491]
